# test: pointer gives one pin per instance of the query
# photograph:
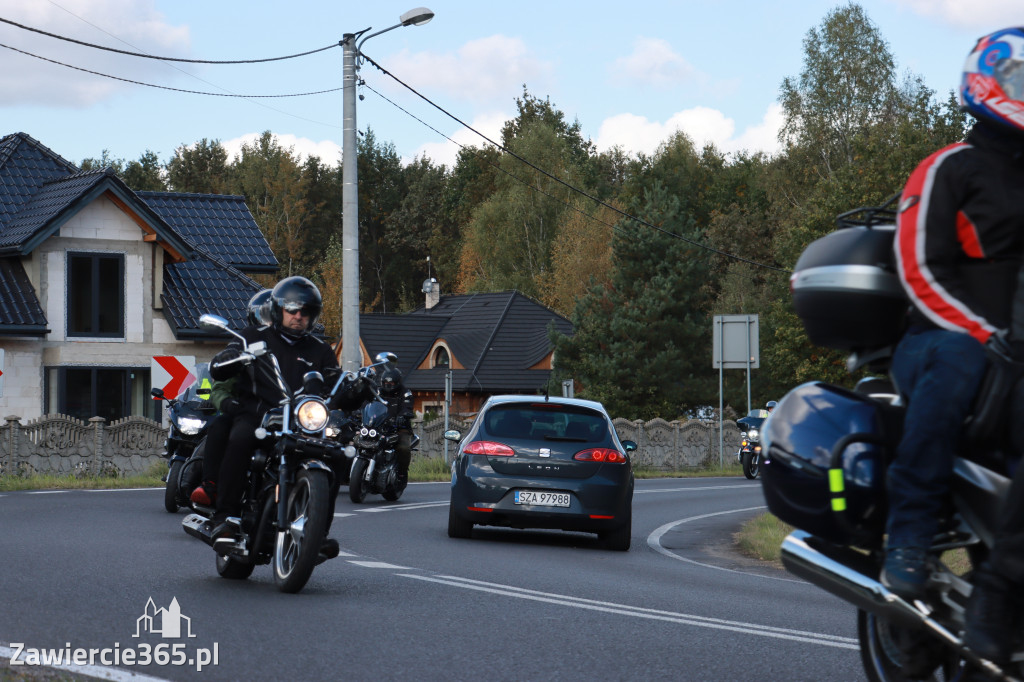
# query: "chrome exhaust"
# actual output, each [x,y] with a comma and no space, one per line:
[848,575]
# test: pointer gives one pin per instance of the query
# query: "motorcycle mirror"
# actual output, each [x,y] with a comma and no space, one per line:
[386,357]
[157,393]
[208,321]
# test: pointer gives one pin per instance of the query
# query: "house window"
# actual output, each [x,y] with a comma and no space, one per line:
[440,357]
[95,294]
[109,392]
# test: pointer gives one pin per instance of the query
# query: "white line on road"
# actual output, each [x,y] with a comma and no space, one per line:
[378,564]
[638,612]
[654,542]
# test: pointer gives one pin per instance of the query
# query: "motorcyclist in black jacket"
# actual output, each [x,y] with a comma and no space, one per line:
[295,305]
[400,407]
[227,404]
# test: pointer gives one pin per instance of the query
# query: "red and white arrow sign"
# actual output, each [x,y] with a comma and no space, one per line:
[173,373]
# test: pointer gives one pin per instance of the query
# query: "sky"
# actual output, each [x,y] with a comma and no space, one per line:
[631,73]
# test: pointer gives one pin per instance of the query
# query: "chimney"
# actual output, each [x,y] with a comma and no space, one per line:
[433,291]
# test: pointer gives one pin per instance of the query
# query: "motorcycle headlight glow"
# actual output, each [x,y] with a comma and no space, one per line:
[312,415]
[752,434]
[190,426]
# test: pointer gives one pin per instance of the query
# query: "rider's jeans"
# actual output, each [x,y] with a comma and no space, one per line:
[938,372]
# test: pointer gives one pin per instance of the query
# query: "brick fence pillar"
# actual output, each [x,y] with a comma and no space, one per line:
[97,438]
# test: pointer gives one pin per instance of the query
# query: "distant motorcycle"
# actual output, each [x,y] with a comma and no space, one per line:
[189,417]
[749,454]
[375,465]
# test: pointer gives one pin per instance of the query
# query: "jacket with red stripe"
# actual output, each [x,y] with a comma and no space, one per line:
[960,235]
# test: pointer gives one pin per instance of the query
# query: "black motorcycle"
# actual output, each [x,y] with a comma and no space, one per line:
[749,454]
[375,465]
[826,451]
[286,506]
[189,417]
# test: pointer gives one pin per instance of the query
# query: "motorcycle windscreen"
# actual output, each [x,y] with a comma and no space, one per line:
[374,414]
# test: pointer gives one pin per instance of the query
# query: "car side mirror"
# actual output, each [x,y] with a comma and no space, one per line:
[629,445]
[453,435]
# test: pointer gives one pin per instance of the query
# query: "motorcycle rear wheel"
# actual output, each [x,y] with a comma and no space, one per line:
[171,490]
[751,465]
[884,659]
[298,546]
[357,485]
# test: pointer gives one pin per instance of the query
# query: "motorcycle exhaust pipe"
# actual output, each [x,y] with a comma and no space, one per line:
[847,574]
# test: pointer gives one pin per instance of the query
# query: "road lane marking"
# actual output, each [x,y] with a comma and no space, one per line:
[834,641]
[654,542]
[102,672]
[379,564]
[688,490]
[402,507]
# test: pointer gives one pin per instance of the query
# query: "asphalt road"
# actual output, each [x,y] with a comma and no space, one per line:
[403,601]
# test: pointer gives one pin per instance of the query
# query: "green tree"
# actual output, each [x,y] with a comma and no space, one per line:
[146,174]
[201,168]
[636,340]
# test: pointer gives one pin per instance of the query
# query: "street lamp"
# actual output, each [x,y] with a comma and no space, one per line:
[351,356]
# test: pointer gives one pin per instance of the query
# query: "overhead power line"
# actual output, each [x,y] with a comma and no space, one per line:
[164,59]
[166,87]
[566,184]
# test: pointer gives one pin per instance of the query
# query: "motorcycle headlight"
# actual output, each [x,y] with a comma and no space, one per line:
[190,426]
[312,415]
[752,434]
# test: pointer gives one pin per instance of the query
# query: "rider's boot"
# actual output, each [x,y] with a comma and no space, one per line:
[989,619]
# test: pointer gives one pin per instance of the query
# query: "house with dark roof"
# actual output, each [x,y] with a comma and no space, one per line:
[96,280]
[492,343]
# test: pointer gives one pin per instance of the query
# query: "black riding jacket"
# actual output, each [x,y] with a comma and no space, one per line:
[255,392]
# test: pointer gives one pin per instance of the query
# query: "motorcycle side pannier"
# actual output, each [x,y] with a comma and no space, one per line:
[846,290]
[826,453]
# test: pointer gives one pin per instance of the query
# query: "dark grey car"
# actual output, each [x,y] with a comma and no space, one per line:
[536,462]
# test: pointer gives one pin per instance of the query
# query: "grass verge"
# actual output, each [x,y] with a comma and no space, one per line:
[761,537]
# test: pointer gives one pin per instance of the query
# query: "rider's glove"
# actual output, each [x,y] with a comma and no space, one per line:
[222,373]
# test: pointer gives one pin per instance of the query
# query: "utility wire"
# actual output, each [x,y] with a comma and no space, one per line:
[564,183]
[165,59]
[166,87]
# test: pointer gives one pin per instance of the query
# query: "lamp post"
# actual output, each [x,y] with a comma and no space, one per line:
[351,356]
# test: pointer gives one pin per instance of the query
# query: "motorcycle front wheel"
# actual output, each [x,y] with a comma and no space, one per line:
[751,465]
[893,654]
[357,484]
[171,490]
[298,545]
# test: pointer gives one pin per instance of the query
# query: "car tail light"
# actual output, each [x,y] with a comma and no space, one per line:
[487,447]
[600,455]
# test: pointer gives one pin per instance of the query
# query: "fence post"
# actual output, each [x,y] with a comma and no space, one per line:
[97,440]
[13,430]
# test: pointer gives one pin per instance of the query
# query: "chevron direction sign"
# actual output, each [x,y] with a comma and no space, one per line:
[173,373]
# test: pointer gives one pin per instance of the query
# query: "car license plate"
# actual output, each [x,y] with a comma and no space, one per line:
[542,499]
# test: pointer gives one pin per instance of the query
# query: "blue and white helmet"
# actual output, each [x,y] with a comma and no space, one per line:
[992,85]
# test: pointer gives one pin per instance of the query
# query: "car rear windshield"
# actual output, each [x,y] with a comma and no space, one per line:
[546,422]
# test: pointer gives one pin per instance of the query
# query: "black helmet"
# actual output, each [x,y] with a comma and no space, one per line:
[390,382]
[771,405]
[294,294]
[258,313]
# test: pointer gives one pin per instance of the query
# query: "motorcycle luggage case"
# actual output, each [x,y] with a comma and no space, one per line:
[799,439]
[846,290]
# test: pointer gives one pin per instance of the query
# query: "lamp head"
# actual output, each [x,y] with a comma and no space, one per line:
[416,17]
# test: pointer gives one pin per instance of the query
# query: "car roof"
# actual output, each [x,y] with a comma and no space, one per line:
[532,399]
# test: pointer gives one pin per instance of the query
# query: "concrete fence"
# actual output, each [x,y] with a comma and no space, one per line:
[62,445]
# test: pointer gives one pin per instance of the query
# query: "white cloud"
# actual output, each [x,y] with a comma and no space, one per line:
[302,147]
[133,26]
[654,63]
[981,14]
[446,152]
[482,70]
[635,134]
